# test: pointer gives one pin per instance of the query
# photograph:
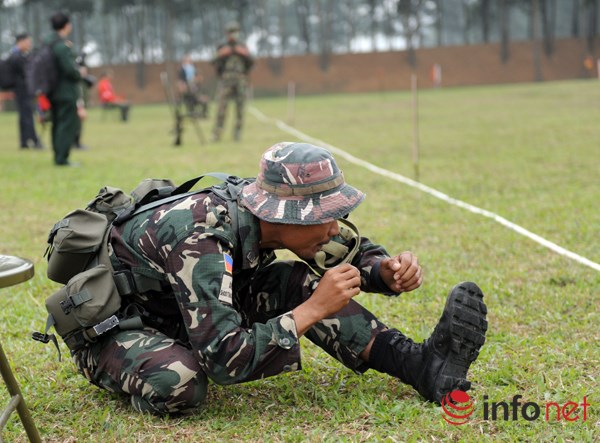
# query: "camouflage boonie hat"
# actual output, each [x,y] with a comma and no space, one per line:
[299,184]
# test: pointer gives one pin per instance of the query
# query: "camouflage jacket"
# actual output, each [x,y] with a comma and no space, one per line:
[233,61]
[207,269]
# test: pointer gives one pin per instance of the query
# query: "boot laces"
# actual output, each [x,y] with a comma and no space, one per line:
[406,345]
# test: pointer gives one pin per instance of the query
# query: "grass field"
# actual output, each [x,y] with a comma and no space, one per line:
[530,153]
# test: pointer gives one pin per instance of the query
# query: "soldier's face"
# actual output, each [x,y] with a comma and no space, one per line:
[306,240]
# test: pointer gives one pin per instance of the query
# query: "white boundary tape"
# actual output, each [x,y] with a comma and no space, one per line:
[434,192]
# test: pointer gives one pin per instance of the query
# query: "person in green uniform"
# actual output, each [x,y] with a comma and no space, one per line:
[229,311]
[232,63]
[64,97]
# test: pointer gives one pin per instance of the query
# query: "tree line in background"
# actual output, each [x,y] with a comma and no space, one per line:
[155,31]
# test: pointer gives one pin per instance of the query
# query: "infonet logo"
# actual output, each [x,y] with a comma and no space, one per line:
[457,407]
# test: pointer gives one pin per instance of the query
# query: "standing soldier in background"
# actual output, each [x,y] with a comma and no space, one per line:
[19,57]
[64,98]
[232,63]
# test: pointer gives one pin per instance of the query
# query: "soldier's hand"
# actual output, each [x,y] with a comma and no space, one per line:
[401,273]
[241,50]
[81,112]
[335,290]
[337,286]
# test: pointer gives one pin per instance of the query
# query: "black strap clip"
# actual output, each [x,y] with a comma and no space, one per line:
[45,338]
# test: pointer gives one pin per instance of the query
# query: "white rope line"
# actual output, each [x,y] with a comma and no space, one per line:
[431,191]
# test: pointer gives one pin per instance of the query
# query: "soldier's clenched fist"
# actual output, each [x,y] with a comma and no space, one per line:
[336,288]
[402,273]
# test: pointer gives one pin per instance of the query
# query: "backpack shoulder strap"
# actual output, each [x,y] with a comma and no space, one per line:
[162,193]
[160,196]
[186,186]
[230,192]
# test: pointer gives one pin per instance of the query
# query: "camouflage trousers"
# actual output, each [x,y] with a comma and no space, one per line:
[162,375]
[230,90]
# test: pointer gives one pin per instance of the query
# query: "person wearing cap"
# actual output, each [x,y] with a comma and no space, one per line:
[230,312]
[232,64]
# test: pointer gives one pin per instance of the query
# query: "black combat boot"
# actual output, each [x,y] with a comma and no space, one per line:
[440,364]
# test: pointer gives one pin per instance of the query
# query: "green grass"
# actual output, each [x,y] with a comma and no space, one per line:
[530,153]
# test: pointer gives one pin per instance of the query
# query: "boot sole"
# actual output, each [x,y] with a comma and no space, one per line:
[467,313]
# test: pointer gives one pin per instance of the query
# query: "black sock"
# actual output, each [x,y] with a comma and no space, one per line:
[380,358]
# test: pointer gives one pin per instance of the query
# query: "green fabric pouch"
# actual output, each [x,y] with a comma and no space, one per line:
[88,299]
[73,243]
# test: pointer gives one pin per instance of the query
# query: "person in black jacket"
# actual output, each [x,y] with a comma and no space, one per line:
[19,57]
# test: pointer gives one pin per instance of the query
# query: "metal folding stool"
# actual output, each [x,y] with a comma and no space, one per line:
[15,270]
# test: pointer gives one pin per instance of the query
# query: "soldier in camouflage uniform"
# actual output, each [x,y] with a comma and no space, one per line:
[230,313]
[232,63]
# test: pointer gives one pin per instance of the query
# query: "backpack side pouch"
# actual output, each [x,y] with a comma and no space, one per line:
[88,299]
[73,243]
[85,308]
[63,323]
[92,296]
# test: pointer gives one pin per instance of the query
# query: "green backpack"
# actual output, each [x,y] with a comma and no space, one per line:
[89,303]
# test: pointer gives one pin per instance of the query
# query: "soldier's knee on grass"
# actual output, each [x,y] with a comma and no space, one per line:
[166,393]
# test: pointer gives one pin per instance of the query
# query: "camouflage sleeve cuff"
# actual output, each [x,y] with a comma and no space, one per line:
[284,331]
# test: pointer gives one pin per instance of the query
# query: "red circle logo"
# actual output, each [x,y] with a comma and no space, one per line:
[457,407]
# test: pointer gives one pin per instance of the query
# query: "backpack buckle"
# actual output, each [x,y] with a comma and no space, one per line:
[38,336]
[106,325]
[67,305]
